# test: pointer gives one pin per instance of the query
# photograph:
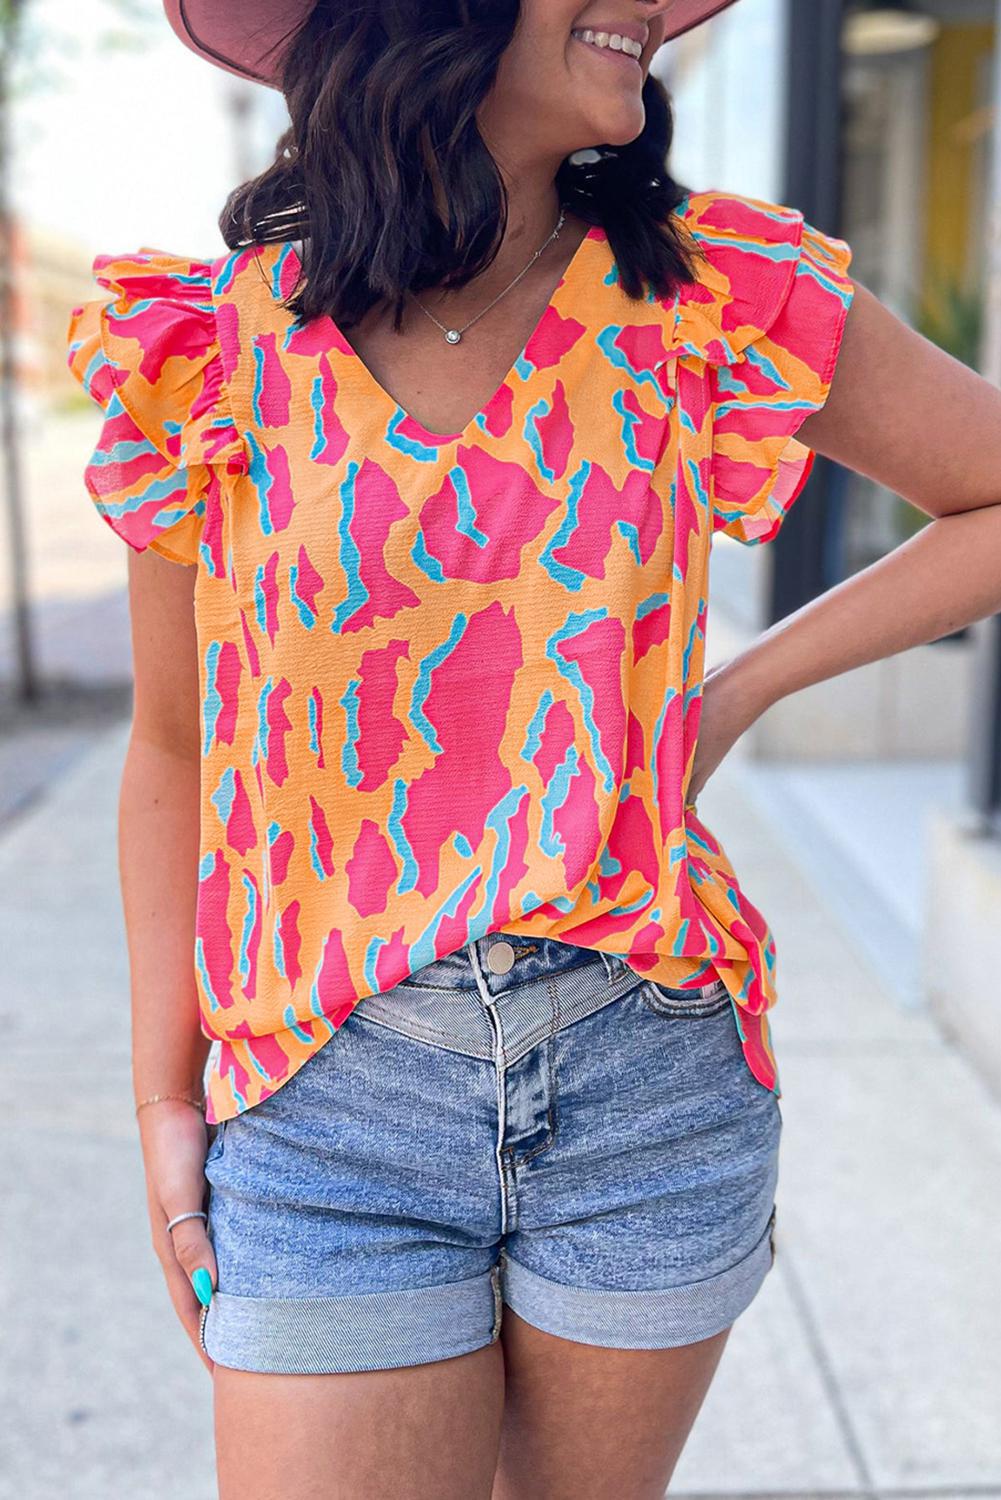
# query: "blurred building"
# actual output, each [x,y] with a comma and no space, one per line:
[54,274]
[881,121]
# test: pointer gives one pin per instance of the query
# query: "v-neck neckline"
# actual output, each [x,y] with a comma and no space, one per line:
[285,252]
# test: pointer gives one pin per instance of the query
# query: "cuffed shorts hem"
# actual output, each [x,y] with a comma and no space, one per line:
[343,1335]
[419,1325]
[640,1320]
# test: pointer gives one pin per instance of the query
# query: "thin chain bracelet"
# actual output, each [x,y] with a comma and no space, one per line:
[198,1104]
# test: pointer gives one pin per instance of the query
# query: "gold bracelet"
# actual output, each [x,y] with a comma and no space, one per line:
[199,1104]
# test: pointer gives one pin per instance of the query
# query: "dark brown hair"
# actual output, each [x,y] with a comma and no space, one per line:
[384,175]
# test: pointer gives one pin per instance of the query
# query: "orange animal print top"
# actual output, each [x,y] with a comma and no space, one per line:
[451,682]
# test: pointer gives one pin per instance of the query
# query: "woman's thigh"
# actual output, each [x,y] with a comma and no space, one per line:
[583,1422]
[426,1432]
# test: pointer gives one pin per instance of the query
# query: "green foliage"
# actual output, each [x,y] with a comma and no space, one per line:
[33,42]
[951,314]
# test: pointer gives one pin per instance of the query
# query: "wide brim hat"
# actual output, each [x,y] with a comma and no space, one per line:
[249,37]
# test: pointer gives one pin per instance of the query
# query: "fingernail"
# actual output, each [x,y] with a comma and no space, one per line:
[202,1283]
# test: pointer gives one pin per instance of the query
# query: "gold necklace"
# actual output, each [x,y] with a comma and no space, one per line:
[453,335]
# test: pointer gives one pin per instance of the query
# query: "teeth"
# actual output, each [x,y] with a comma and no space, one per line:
[611,39]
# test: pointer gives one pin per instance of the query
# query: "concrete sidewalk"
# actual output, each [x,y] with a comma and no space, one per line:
[867,1366]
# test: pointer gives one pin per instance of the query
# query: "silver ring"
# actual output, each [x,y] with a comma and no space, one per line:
[193,1213]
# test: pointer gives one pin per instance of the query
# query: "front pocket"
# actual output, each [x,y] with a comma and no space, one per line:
[693,1004]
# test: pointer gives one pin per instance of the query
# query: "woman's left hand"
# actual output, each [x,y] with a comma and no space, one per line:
[727,711]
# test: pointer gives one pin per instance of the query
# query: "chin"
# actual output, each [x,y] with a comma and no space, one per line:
[618,128]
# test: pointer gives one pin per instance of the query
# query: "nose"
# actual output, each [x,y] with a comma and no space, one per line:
[651,14]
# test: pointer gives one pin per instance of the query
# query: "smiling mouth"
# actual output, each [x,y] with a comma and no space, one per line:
[622,49]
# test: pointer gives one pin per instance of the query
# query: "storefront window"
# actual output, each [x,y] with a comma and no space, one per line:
[915,194]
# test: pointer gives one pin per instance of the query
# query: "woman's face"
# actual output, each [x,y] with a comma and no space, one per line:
[556,92]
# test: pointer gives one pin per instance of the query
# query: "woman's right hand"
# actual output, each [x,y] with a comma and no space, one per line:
[174,1145]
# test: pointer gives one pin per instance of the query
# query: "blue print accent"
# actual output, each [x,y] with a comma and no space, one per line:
[648,605]
[808,267]
[212,703]
[699,489]
[466,522]
[422,950]
[429,566]
[260,601]
[576,624]
[204,980]
[553,799]
[248,927]
[499,820]
[422,686]
[523,367]
[630,422]
[223,797]
[318,406]
[407,878]
[349,750]
[350,557]
[619,360]
[570,578]
[258,385]
[241,1099]
[226,273]
[306,615]
[630,534]
[408,445]
[291,1024]
[257,471]
[630,907]
[260,746]
[312,715]
[532,436]
[533,736]
[314,856]
[658,731]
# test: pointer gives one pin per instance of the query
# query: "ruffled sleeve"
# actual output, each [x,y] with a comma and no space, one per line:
[768,318]
[150,358]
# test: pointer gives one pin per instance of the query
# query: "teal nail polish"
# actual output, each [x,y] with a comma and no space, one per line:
[202,1283]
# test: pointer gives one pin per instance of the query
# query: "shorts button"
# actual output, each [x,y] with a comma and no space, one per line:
[500,958]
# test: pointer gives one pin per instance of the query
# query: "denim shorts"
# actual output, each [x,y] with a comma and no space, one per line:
[524,1122]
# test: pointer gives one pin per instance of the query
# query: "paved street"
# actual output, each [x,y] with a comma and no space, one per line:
[78,612]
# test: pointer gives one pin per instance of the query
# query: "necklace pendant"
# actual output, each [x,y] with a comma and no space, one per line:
[452,336]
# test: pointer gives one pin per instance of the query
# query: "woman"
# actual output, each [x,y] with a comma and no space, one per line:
[495,1104]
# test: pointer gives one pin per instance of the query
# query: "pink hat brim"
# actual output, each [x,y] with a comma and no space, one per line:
[249,39]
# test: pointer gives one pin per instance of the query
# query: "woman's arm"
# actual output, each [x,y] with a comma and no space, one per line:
[928,427]
[158,838]
[158,830]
